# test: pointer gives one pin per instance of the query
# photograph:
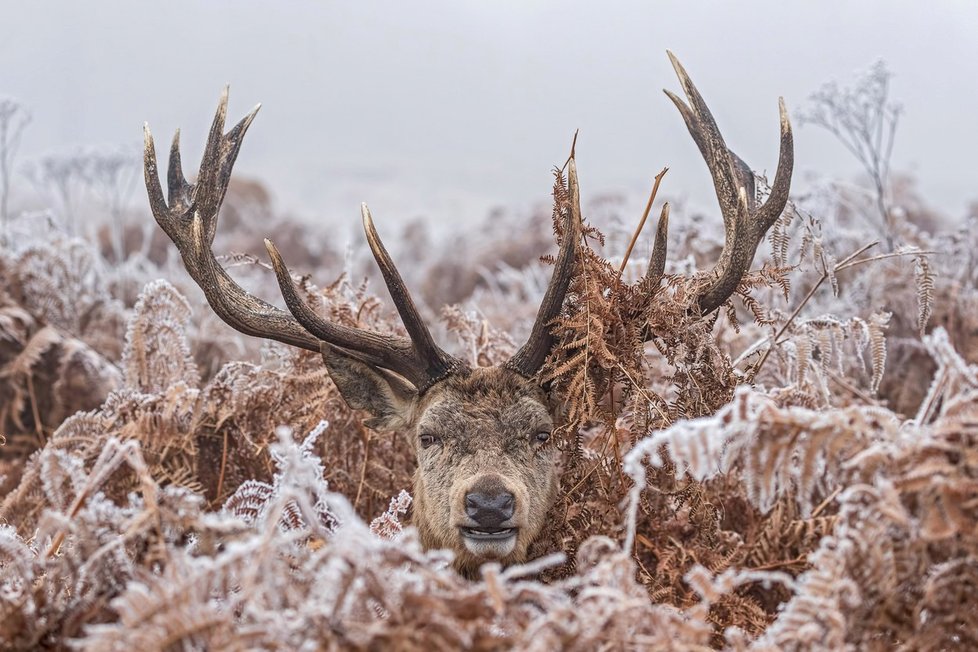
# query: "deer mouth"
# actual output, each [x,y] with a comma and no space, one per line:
[488,533]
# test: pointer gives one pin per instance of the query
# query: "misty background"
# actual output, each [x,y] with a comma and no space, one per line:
[445,110]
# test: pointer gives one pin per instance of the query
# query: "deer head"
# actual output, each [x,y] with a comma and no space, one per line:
[486,472]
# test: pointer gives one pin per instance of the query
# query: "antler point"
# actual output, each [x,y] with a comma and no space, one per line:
[783,114]
[678,101]
[273,252]
[678,67]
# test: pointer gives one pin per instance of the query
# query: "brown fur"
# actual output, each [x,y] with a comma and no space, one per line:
[486,419]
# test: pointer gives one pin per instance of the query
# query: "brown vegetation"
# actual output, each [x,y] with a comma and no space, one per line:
[795,473]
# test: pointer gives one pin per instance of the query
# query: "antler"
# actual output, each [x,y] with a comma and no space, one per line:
[531,356]
[189,218]
[745,223]
[417,358]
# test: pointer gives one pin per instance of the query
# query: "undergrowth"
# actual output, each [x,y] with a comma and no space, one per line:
[795,472]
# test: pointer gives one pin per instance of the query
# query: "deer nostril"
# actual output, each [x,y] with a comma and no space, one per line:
[506,503]
[489,510]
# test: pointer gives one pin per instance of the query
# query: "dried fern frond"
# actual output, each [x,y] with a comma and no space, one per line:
[775,451]
[877,344]
[924,278]
[157,352]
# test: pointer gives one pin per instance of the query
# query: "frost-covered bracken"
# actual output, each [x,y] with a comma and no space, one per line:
[487,472]
[794,472]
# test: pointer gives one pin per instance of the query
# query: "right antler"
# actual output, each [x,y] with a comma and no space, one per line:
[745,223]
[528,360]
[189,218]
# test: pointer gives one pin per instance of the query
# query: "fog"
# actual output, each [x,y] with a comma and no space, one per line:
[446,109]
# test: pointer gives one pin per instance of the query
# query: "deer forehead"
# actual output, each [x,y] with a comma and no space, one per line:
[488,399]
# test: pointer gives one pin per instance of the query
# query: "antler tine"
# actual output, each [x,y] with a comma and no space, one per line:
[157,203]
[729,172]
[396,354]
[190,221]
[771,210]
[437,363]
[216,164]
[531,356]
[745,224]
[657,262]
[179,190]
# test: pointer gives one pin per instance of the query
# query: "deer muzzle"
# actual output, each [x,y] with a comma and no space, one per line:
[489,527]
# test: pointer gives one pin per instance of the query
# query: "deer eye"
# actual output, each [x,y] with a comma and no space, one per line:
[541,437]
[429,440]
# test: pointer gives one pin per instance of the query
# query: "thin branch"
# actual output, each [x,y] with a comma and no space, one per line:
[641,223]
[224,462]
[572,152]
[895,254]
[804,302]
[825,503]
[363,467]
[845,384]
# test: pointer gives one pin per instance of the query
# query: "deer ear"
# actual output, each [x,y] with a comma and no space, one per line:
[388,398]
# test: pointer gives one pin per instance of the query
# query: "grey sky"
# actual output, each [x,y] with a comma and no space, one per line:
[448,108]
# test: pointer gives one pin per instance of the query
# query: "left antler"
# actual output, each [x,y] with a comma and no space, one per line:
[189,216]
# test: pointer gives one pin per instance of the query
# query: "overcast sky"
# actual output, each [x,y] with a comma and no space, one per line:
[446,108]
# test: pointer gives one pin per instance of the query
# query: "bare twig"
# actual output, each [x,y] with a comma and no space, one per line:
[872,259]
[14,117]
[363,467]
[825,275]
[825,503]
[846,385]
[864,121]
[641,223]
[572,152]
[224,462]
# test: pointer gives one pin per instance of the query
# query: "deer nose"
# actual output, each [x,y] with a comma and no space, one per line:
[489,510]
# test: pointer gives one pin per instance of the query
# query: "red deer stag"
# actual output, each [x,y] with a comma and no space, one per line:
[486,475]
